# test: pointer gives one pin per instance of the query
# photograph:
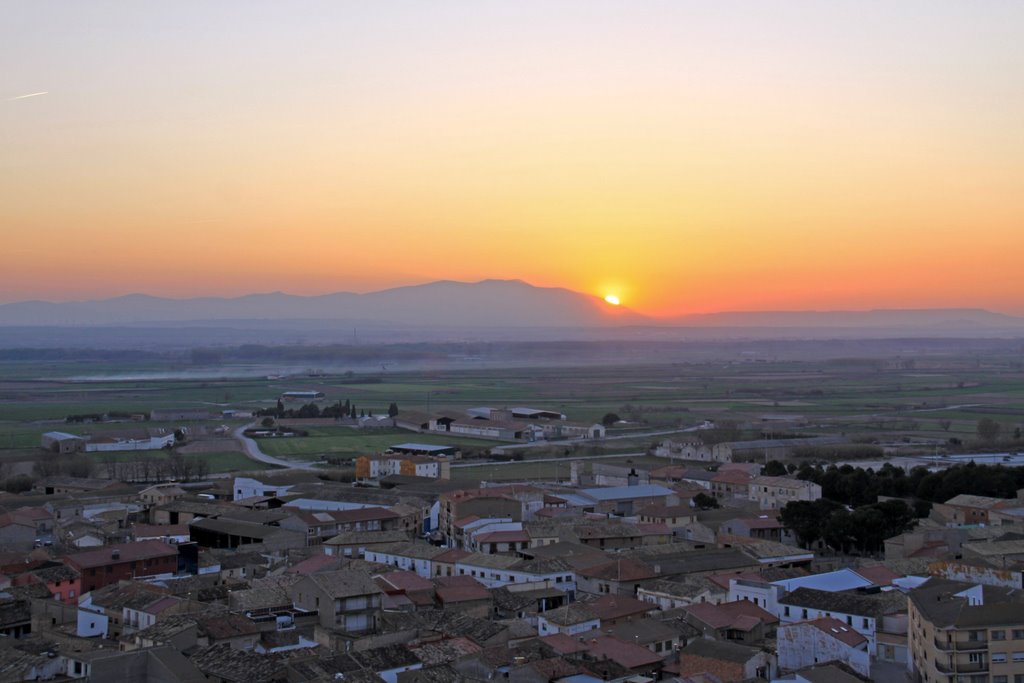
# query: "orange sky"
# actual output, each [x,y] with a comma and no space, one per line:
[689,157]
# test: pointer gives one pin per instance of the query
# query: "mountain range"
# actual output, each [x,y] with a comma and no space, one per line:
[462,305]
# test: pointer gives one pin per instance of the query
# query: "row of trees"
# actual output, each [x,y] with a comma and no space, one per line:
[148,469]
[855,486]
[337,411]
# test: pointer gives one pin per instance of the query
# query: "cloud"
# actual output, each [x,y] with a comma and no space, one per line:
[31,94]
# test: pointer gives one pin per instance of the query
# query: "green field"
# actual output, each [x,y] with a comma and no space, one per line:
[935,398]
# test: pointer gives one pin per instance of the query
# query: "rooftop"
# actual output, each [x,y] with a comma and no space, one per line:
[122,552]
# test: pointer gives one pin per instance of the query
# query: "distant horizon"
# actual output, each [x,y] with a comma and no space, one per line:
[597,298]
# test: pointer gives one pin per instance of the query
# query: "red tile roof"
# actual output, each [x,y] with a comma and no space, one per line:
[403,581]
[451,556]
[503,537]
[741,615]
[563,644]
[619,570]
[611,607]
[316,563]
[128,552]
[627,655]
[880,575]
[838,630]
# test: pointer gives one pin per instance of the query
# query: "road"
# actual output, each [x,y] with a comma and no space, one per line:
[252,451]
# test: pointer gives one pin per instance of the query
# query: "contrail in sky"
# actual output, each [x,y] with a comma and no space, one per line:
[31,94]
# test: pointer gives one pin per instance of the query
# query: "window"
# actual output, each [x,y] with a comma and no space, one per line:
[999,679]
[785,611]
[864,623]
[1018,634]
[804,615]
[1018,656]
[998,657]
[998,635]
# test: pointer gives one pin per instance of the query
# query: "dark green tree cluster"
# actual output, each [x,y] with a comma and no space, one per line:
[855,487]
[863,529]
[337,411]
[703,501]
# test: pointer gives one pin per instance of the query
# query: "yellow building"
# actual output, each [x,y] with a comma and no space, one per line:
[966,633]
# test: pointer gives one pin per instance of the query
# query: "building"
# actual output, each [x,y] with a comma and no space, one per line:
[965,632]
[373,467]
[807,643]
[762,528]
[727,484]
[482,503]
[319,525]
[968,510]
[62,442]
[151,439]
[772,493]
[869,614]
[347,600]
[107,565]
[302,395]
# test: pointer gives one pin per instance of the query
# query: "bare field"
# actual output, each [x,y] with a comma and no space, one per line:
[887,400]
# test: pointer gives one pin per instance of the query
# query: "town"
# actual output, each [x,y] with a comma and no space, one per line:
[709,557]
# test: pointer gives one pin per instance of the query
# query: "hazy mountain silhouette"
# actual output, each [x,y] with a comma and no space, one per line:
[490,303]
[464,305]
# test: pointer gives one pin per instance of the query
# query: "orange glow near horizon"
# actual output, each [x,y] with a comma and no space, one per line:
[687,158]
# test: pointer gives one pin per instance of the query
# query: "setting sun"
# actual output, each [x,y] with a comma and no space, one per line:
[612,299]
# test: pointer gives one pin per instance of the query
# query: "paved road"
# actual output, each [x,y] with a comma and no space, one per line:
[252,450]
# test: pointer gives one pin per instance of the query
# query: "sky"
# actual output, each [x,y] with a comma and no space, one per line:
[687,157]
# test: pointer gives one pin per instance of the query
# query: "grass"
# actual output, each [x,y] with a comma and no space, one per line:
[225,461]
[864,398]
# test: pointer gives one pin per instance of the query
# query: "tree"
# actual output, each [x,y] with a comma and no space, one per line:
[19,483]
[945,424]
[267,422]
[988,429]
[393,410]
[807,519]
[609,419]
[309,410]
[774,468]
[704,502]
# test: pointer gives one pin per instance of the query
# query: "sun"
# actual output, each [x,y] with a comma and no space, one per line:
[612,299]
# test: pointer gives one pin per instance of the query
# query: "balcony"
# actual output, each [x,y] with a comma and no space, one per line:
[960,645]
[961,667]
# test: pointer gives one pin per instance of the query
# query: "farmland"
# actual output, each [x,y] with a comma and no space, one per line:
[920,403]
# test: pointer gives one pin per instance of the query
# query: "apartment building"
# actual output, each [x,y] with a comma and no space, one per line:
[966,633]
[772,493]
